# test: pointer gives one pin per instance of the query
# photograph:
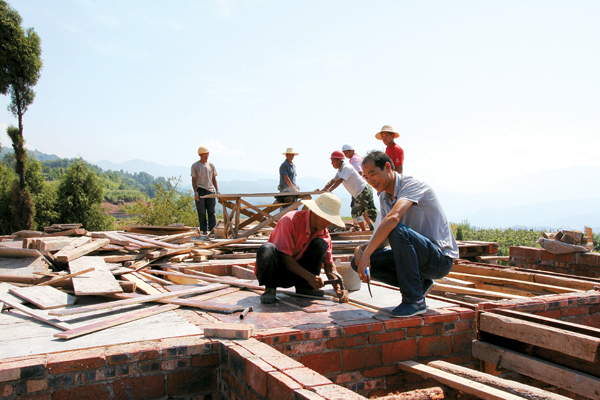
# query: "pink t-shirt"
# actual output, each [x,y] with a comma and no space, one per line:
[396,154]
[292,235]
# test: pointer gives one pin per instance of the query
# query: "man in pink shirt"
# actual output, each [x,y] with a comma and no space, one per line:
[297,248]
[395,152]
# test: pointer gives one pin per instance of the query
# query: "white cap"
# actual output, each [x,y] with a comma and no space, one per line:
[347,147]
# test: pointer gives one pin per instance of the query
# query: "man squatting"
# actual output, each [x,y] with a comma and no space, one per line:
[412,221]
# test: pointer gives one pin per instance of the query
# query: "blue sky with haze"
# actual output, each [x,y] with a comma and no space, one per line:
[481,92]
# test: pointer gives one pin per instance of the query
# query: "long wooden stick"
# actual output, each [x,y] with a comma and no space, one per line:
[65,277]
[98,326]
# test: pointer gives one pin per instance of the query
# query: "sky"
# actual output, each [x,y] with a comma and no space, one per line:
[480,91]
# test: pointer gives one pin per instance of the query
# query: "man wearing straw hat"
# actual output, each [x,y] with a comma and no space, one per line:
[361,192]
[297,248]
[412,221]
[395,152]
[204,182]
[287,177]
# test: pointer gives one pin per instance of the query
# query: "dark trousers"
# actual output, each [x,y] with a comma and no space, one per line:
[411,259]
[272,273]
[206,207]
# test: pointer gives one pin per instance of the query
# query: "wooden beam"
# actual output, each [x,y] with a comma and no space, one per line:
[127,302]
[475,388]
[553,374]
[475,292]
[45,297]
[80,251]
[65,277]
[119,320]
[532,286]
[273,218]
[98,281]
[516,388]
[547,337]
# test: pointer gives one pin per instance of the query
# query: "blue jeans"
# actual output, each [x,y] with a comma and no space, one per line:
[206,207]
[411,259]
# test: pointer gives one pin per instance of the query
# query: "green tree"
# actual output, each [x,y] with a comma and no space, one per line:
[20,66]
[80,198]
[166,208]
[7,181]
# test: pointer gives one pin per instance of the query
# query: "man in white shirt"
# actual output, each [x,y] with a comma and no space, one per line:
[204,182]
[412,220]
[355,185]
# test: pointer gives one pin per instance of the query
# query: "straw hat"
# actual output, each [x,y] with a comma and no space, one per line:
[290,150]
[326,206]
[347,147]
[387,128]
[337,155]
[202,150]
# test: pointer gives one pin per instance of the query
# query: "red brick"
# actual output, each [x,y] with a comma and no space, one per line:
[22,368]
[6,390]
[550,314]
[515,251]
[347,377]
[386,337]
[574,311]
[591,259]
[305,394]
[399,351]
[142,387]
[307,377]
[191,381]
[462,342]
[205,360]
[76,361]
[439,315]
[281,362]
[304,347]
[382,371]
[335,392]
[589,320]
[459,326]
[256,374]
[323,363]
[96,392]
[427,330]
[403,322]
[360,358]
[37,385]
[281,386]
[36,396]
[185,346]
[133,352]
[435,346]
[364,328]
[463,313]
[530,307]
[346,342]
[257,348]
[531,252]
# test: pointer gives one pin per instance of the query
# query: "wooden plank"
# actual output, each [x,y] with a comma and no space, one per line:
[475,388]
[80,241]
[272,219]
[45,297]
[121,319]
[571,380]
[516,388]
[476,292]
[130,301]
[229,331]
[99,281]
[10,300]
[140,284]
[512,282]
[220,243]
[154,242]
[547,337]
[24,266]
[65,277]
[232,281]
[80,251]
[455,282]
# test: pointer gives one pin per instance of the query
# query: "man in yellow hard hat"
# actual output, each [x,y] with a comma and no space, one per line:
[204,182]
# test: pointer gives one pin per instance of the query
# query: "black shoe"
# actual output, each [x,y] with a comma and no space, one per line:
[309,291]
[268,297]
[409,309]
[428,284]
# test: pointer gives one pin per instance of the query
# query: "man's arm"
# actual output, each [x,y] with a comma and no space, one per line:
[382,232]
[315,281]
[214,180]
[333,184]
[194,187]
[289,182]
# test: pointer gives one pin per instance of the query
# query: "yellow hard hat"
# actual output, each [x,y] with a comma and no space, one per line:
[202,150]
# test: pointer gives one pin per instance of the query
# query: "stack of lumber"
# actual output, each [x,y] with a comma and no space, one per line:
[475,283]
[479,384]
[559,353]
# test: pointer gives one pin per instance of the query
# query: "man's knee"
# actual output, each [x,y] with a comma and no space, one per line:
[401,233]
[265,251]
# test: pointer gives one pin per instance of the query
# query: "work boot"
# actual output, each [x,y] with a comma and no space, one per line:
[309,291]
[268,297]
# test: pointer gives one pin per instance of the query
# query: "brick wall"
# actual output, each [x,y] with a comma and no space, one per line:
[175,367]
[364,357]
[580,308]
[578,264]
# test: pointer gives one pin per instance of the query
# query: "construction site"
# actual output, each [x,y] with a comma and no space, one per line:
[80,319]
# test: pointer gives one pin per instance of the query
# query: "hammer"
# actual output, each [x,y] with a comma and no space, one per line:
[337,280]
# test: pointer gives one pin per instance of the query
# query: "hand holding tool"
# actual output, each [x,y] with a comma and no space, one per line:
[338,279]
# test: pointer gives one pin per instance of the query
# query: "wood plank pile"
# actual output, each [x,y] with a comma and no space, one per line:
[476,283]
[559,353]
